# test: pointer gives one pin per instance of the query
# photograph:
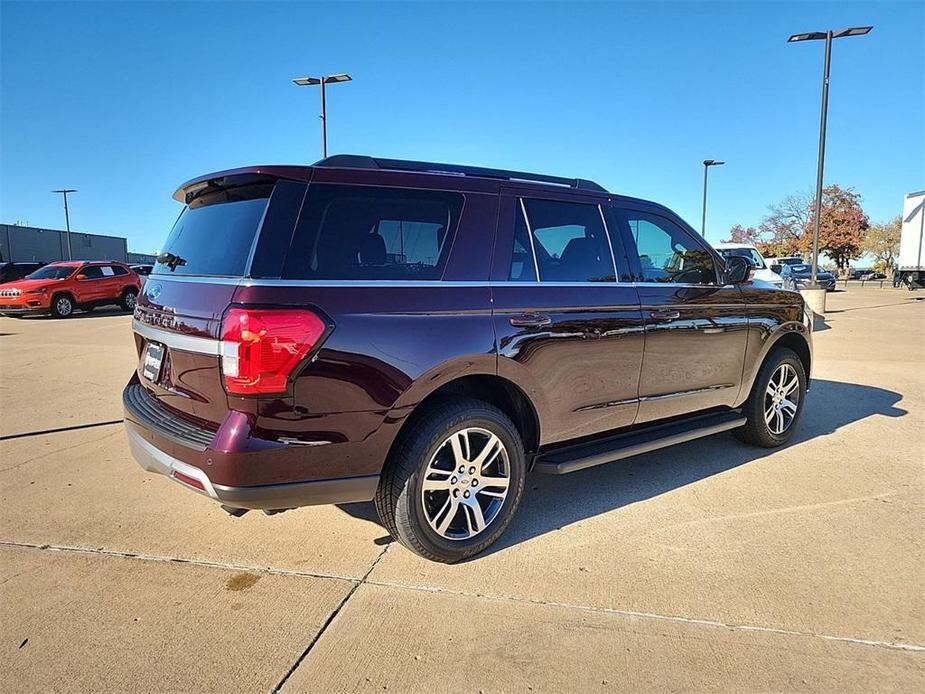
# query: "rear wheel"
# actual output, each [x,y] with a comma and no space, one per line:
[128,299]
[454,481]
[776,401]
[62,306]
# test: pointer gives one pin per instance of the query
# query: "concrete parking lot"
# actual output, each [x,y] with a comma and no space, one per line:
[710,566]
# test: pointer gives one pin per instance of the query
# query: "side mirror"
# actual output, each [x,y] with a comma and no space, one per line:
[776,268]
[738,269]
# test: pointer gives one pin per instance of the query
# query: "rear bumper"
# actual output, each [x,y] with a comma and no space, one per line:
[267,497]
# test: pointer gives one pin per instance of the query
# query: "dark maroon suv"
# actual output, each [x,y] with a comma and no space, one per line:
[425,334]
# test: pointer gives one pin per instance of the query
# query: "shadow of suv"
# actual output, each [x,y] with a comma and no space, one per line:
[423,334]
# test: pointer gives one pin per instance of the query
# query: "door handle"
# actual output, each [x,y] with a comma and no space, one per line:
[665,315]
[531,320]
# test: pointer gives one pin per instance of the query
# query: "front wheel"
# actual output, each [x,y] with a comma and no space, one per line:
[62,306]
[453,482]
[776,401]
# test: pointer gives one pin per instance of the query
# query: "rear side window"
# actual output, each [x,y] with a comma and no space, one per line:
[215,233]
[360,232]
[92,272]
[119,270]
[570,242]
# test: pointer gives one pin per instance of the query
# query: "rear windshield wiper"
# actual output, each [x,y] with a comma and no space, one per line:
[171,261]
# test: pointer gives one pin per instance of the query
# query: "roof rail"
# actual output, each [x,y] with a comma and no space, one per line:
[360,161]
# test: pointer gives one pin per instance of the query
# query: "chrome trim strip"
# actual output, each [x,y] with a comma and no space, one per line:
[536,266]
[681,393]
[184,343]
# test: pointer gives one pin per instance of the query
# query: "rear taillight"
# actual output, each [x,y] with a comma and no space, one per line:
[262,347]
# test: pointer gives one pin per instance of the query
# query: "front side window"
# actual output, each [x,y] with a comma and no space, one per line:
[570,242]
[667,253]
[359,232]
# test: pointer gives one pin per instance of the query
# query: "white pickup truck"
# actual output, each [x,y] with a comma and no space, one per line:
[911,251]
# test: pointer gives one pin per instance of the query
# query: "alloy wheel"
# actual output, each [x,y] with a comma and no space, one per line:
[130,301]
[782,399]
[64,306]
[465,484]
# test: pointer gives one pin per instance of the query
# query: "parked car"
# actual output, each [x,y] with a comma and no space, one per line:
[762,272]
[16,271]
[799,276]
[857,273]
[60,288]
[424,334]
[867,276]
[777,264]
[142,271]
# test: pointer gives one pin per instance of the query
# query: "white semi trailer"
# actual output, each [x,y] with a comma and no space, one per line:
[912,242]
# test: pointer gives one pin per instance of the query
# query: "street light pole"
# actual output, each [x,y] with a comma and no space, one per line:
[820,165]
[322,81]
[707,163]
[67,218]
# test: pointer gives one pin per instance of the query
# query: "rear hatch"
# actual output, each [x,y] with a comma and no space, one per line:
[178,318]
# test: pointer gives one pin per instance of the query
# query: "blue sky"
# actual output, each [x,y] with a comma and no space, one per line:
[124,101]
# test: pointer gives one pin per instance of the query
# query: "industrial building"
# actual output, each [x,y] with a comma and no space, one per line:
[25,243]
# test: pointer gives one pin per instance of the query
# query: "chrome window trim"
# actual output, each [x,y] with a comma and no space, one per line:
[613,257]
[536,265]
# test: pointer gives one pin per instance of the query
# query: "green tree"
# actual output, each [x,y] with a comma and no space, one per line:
[882,242]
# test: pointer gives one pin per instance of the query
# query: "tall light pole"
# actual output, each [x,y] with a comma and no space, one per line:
[707,163]
[312,81]
[67,218]
[828,36]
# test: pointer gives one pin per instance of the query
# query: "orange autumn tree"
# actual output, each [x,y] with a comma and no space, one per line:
[843,228]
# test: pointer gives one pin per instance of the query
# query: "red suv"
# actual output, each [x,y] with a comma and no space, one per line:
[424,334]
[59,288]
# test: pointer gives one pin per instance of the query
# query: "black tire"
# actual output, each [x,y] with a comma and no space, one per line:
[129,297]
[757,430]
[62,306]
[401,503]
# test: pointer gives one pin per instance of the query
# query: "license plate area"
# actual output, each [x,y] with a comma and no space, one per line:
[152,361]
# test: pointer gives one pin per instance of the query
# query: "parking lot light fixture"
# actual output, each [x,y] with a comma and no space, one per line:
[67,218]
[322,81]
[828,36]
[707,163]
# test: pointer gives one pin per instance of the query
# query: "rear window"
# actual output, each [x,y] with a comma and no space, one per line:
[361,232]
[214,234]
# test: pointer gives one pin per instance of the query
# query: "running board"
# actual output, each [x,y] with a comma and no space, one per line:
[585,455]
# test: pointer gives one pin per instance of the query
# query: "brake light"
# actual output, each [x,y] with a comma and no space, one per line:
[262,347]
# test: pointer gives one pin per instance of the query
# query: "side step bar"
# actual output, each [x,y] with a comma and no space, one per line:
[585,455]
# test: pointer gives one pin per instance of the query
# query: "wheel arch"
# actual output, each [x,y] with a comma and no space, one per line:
[794,336]
[490,388]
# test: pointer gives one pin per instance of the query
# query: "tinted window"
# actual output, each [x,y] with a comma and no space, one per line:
[570,242]
[357,232]
[667,253]
[214,234]
[522,268]
[92,272]
[119,270]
